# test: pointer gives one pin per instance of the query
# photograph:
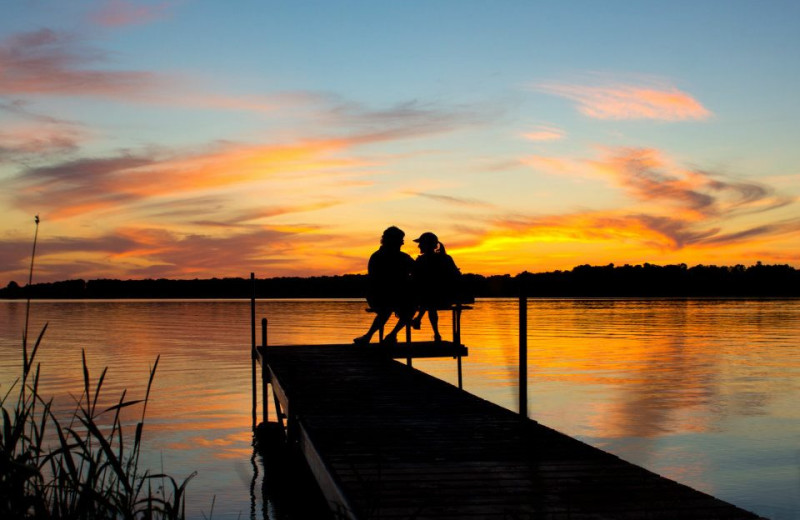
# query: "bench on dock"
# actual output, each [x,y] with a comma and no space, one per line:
[456,309]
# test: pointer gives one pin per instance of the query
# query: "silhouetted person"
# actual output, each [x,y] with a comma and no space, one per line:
[434,277]
[389,286]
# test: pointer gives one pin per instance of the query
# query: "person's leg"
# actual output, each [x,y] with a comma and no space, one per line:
[416,323]
[381,317]
[404,316]
[433,315]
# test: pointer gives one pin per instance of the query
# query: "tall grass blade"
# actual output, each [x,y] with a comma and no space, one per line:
[86,379]
[113,460]
[97,389]
[36,345]
[65,451]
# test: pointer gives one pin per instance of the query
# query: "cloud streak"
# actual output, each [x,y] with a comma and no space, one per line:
[154,252]
[545,133]
[647,175]
[87,185]
[621,101]
[120,13]
[46,62]
[672,207]
[449,199]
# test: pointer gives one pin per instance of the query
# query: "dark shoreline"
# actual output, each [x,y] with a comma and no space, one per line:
[648,280]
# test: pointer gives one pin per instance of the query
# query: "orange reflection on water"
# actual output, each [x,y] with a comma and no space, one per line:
[702,391]
[655,367]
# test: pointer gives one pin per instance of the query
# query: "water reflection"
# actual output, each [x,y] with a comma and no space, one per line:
[702,391]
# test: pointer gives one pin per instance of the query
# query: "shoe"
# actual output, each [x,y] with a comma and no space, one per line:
[437,338]
[389,340]
[361,340]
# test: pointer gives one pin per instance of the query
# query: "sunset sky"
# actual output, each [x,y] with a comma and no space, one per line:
[200,138]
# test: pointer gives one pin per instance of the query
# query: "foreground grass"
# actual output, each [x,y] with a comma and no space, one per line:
[89,468]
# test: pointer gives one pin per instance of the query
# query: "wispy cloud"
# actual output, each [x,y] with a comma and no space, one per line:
[408,119]
[449,199]
[155,252]
[649,232]
[248,218]
[627,101]
[53,63]
[46,62]
[86,185]
[671,207]
[648,175]
[36,142]
[545,133]
[118,13]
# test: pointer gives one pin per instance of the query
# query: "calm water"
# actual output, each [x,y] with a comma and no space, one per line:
[705,392]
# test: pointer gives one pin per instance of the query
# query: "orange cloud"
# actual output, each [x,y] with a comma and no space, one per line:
[86,185]
[630,102]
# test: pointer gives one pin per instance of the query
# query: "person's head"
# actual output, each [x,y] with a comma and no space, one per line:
[427,242]
[392,237]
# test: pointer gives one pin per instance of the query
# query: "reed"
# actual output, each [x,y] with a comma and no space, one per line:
[87,467]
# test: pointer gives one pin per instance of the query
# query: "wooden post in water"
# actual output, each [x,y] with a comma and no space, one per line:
[264,373]
[408,340]
[457,339]
[523,353]
[253,345]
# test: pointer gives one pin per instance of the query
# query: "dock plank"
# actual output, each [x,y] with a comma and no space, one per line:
[387,441]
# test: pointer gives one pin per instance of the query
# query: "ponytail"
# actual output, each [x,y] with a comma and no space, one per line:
[442,250]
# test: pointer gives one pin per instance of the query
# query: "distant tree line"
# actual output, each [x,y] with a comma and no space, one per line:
[585,280]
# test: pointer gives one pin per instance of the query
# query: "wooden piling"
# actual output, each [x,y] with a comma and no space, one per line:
[253,352]
[264,375]
[523,354]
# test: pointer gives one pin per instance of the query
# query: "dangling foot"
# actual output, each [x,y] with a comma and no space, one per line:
[361,340]
[437,338]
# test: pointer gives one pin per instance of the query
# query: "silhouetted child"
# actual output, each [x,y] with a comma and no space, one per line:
[388,286]
[434,277]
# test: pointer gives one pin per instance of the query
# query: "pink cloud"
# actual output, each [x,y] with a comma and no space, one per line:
[664,103]
[545,134]
[648,175]
[33,141]
[117,13]
[45,62]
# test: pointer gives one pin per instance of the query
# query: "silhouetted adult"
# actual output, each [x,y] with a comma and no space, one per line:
[435,278]
[388,286]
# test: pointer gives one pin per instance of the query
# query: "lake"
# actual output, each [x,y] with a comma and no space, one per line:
[702,391]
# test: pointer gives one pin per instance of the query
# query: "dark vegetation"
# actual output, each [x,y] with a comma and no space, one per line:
[596,281]
[83,465]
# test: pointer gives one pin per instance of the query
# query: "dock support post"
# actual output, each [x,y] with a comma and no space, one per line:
[408,340]
[253,345]
[523,354]
[457,338]
[264,373]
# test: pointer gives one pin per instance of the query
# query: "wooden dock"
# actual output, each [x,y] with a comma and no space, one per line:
[384,440]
